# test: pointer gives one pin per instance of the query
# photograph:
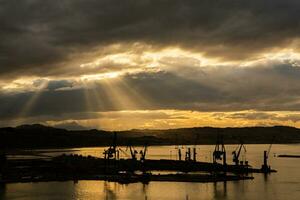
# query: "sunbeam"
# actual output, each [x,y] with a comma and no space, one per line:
[30,103]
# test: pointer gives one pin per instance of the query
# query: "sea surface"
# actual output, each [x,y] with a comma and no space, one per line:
[283,185]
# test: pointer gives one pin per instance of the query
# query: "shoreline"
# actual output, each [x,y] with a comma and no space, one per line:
[196,178]
[137,145]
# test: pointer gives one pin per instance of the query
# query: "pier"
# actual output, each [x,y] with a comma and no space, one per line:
[136,168]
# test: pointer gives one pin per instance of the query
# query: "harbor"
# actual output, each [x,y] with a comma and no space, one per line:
[265,185]
[136,167]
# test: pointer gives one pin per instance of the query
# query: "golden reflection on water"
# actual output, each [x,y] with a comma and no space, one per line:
[166,190]
[108,190]
[283,185]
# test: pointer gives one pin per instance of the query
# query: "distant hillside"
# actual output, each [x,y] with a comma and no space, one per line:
[39,136]
[209,135]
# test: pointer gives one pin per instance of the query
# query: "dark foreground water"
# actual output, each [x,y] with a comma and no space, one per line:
[282,185]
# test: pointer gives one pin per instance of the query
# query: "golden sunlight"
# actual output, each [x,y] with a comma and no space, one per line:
[166,119]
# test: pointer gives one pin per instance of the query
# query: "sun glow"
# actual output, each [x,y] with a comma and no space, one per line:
[150,59]
[285,55]
[92,77]
[156,58]
[116,59]
[166,119]
[24,84]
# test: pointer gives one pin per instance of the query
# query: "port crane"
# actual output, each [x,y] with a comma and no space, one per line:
[178,148]
[143,153]
[219,152]
[237,152]
[124,152]
[133,153]
[265,167]
[112,152]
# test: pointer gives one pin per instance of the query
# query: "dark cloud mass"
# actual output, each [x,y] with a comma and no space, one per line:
[59,84]
[37,37]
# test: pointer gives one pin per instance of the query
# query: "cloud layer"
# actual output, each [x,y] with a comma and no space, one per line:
[265,87]
[45,37]
[73,59]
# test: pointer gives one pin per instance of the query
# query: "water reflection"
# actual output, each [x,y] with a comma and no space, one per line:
[220,190]
[283,185]
[145,189]
[109,192]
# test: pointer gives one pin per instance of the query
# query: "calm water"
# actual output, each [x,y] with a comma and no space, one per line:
[283,185]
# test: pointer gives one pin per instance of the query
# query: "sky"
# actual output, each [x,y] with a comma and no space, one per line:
[149,64]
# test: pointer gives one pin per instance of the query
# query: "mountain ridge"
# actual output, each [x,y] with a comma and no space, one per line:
[41,136]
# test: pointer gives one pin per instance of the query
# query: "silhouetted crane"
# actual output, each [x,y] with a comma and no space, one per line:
[133,153]
[124,152]
[112,152]
[143,153]
[236,153]
[265,167]
[219,152]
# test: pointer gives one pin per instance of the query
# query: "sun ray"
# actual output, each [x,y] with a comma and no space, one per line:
[88,99]
[28,106]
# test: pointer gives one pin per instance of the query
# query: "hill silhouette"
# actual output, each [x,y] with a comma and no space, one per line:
[40,136]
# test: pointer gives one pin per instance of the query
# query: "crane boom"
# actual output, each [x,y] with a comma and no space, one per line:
[125,153]
[239,151]
[270,146]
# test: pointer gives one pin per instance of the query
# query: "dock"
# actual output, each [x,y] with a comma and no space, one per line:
[138,168]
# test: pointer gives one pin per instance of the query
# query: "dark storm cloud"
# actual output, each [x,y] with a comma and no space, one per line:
[273,87]
[38,37]
[261,116]
[59,84]
[252,116]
